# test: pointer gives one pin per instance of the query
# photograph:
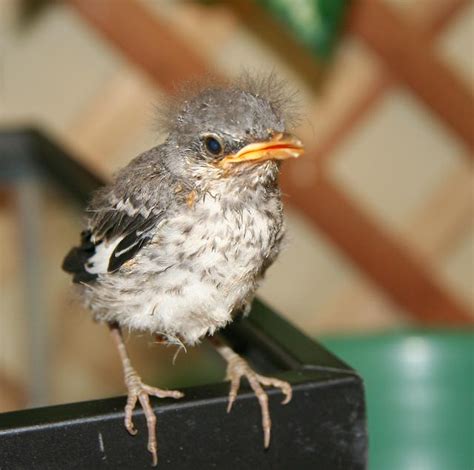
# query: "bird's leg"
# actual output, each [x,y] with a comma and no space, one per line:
[137,390]
[237,368]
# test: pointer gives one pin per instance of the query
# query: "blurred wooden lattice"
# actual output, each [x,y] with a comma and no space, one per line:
[402,266]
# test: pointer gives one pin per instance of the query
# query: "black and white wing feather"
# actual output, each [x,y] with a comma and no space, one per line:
[115,235]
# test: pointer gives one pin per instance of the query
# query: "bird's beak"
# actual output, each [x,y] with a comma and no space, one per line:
[281,146]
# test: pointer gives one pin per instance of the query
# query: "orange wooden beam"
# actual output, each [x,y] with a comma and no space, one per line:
[6,196]
[323,151]
[439,14]
[383,258]
[13,394]
[144,39]
[410,56]
[433,22]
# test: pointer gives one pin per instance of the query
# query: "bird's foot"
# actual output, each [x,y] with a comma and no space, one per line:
[137,390]
[238,368]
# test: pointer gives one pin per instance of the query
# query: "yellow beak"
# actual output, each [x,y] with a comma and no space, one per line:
[281,147]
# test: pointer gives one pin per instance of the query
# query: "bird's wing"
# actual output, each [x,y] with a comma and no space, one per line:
[115,235]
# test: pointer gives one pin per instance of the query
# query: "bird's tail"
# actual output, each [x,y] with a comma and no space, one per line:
[76,260]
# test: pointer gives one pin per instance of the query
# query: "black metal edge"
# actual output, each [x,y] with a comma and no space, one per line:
[324,425]
[15,155]
[25,150]
[42,418]
[287,344]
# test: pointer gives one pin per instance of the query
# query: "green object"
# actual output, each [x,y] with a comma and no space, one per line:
[315,23]
[420,397]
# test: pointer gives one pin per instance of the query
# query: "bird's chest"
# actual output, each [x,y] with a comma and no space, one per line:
[227,240]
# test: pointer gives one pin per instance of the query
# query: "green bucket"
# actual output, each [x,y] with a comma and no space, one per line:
[420,397]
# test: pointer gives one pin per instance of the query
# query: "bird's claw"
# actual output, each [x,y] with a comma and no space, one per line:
[238,368]
[138,391]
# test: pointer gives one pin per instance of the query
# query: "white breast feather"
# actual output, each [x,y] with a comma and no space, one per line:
[200,307]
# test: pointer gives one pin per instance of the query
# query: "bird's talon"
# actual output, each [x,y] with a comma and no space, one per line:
[131,430]
[159,393]
[288,396]
[154,457]
[266,439]
[154,454]
[238,368]
[138,391]
[230,403]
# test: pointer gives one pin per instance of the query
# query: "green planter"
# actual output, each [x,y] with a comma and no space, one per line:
[420,397]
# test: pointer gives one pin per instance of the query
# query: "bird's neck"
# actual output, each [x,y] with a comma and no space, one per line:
[261,179]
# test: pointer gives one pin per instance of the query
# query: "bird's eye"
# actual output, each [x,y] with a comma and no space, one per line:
[213,145]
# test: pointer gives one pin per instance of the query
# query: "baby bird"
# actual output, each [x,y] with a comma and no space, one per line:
[176,245]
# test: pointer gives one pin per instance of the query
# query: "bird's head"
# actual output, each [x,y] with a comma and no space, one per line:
[222,132]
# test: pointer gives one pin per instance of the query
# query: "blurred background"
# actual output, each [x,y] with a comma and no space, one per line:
[380,259]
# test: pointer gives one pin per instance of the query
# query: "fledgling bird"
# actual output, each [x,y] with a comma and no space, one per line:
[176,245]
